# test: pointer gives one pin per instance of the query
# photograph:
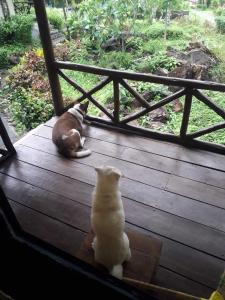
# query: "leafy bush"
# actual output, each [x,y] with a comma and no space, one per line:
[16,30]
[218,73]
[220,24]
[116,60]
[154,46]
[30,73]
[220,11]
[157,61]
[28,110]
[55,17]
[7,51]
[158,31]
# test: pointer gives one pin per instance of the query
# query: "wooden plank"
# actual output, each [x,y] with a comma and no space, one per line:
[183,169]
[71,168]
[171,280]
[145,252]
[60,235]
[187,261]
[175,256]
[53,205]
[216,195]
[196,190]
[48,180]
[195,156]
[185,231]
[164,164]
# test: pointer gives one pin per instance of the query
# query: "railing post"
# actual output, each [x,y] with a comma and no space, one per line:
[186,114]
[49,55]
[116,98]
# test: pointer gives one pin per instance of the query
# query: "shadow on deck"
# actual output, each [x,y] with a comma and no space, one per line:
[169,192]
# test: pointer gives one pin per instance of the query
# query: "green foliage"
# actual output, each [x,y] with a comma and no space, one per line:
[7,51]
[116,60]
[201,116]
[220,23]
[16,30]
[158,30]
[28,110]
[154,46]
[157,61]
[220,11]
[218,72]
[56,17]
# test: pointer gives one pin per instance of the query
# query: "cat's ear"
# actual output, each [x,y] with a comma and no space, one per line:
[84,106]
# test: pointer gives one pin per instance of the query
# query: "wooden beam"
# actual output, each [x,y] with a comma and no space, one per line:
[188,83]
[116,99]
[186,113]
[49,55]
[206,130]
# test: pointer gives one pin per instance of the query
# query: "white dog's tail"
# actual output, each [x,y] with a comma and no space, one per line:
[81,153]
[117,271]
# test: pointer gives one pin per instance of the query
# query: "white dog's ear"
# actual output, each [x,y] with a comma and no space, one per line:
[117,173]
[98,170]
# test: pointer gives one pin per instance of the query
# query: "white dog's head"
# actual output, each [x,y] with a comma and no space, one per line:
[108,176]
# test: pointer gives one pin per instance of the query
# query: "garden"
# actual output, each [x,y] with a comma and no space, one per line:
[153,37]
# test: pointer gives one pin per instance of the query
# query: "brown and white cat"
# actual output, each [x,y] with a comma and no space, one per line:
[67,132]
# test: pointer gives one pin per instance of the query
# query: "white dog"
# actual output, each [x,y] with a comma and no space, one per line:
[110,244]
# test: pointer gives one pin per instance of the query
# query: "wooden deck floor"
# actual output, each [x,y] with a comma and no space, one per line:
[170,192]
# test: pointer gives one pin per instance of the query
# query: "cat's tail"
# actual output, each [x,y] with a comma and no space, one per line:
[81,153]
[117,271]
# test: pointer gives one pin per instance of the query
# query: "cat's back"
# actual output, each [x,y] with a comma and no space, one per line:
[63,125]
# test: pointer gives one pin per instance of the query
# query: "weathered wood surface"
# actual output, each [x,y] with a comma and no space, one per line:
[169,192]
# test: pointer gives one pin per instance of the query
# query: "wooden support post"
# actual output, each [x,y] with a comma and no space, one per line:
[49,55]
[186,114]
[116,97]
[6,139]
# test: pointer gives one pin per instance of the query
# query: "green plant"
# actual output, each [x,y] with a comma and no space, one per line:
[220,11]
[56,17]
[16,30]
[116,60]
[7,51]
[28,110]
[218,72]
[157,61]
[158,30]
[154,46]
[220,24]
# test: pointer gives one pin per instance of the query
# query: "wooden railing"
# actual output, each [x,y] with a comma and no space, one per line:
[186,87]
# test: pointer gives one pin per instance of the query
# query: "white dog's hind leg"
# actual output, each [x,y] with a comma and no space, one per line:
[93,244]
[117,271]
[128,257]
